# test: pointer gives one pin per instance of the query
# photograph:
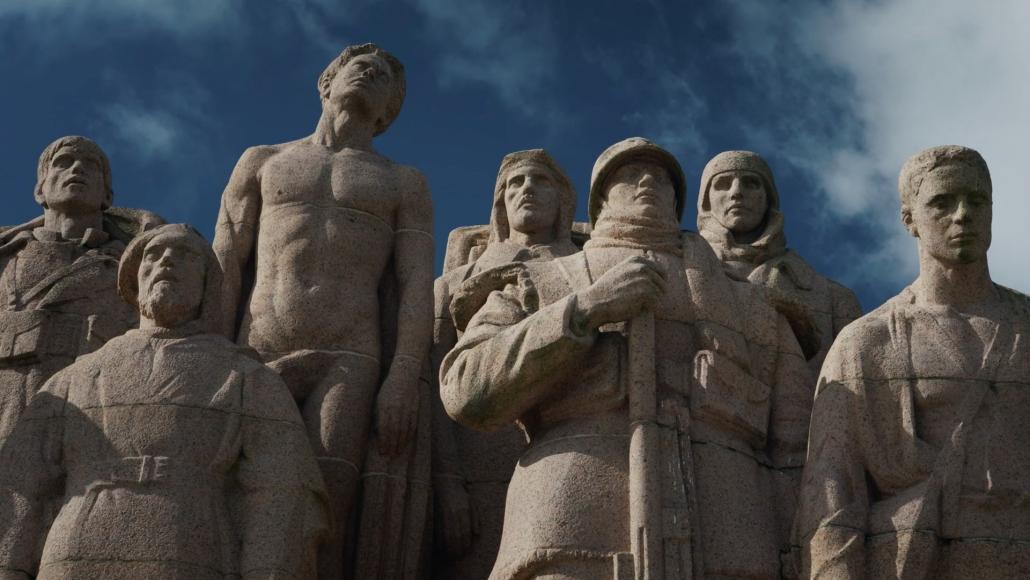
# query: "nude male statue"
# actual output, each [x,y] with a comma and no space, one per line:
[307,233]
[917,459]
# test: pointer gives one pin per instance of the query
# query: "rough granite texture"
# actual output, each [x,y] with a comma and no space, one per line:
[917,462]
[328,254]
[669,445]
[532,208]
[171,452]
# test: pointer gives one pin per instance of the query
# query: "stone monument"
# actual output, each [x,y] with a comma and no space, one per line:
[173,453]
[651,412]
[530,220]
[917,461]
[738,212]
[310,234]
[58,273]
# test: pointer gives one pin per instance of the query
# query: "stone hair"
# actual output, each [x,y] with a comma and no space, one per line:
[74,141]
[399,86]
[921,164]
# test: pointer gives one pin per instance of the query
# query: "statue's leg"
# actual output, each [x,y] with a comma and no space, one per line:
[338,416]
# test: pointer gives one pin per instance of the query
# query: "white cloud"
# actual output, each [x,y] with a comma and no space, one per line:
[507,47]
[911,74]
[176,16]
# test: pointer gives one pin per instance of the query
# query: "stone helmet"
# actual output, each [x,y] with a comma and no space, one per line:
[737,161]
[632,149]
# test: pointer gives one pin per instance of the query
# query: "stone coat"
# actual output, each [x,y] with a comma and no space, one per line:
[58,300]
[568,499]
[175,455]
[920,423]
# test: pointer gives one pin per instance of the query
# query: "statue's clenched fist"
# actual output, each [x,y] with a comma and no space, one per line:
[627,289]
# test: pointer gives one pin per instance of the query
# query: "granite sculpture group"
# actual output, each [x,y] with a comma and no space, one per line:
[613,400]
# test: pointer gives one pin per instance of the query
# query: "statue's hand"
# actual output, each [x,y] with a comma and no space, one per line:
[627,289]
[397,411]
[456,518]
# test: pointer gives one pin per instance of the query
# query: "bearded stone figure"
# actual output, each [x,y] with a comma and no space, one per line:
[654,415]
[738,212]
[172,452]
[917,464]
[530,220]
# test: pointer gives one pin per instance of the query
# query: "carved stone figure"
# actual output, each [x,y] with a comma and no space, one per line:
[653,414]
[58,295]
[174,454]
[312,234]
[530,220]
[918,465]
[738,212]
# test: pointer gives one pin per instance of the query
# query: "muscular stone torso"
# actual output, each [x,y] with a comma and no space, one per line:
[324,240]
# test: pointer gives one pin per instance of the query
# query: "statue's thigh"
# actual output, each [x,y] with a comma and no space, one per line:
[338,413]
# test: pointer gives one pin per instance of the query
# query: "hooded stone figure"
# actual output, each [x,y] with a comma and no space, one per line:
[172,452]
[738,213]
[650,388]
[471,469]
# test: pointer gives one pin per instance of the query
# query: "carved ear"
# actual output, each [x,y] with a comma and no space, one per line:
[906,218]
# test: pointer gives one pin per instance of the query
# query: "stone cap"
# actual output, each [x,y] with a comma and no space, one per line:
[623,152]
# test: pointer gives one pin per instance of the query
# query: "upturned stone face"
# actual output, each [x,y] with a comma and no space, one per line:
[339,303]
[916,468]
[168,452]
[58,273]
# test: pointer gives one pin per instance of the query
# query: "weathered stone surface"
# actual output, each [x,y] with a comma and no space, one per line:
[58,295]
[172,452]
[327,248]
[530,220]
[917,461]
[738,212]
[655,418]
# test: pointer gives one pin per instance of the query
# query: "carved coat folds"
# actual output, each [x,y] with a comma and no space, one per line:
[568,500]
[918,465]
[174,430]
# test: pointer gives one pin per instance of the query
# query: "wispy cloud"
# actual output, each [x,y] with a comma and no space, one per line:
[507,46]
[180,17]
[893,78]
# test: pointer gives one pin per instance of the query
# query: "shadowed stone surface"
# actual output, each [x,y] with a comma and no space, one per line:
[328,254]
[918,465]
[173,453]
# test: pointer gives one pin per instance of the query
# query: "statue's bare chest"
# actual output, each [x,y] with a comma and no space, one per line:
[317,177]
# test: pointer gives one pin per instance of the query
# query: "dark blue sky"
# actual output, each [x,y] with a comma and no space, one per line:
[175,91]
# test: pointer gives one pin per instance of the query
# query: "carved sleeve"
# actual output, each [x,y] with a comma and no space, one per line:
[834,494]
[507,362]
[284,501]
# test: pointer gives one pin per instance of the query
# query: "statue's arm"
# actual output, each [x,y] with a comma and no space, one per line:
[284,500]
[236,230]
[397,402]
[846,307]
[506,362]
[834,490]
[30,472]
[413,262]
